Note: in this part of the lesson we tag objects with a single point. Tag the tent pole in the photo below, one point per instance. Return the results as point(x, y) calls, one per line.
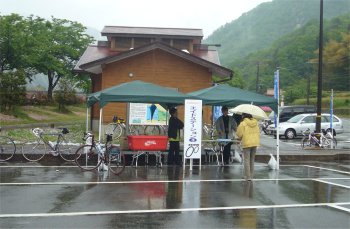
point(127, 119)
point(100, 126)
point(87, 119)
point(278, 140)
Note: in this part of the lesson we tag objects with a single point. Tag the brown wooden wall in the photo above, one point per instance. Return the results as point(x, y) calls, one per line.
point(157, 67)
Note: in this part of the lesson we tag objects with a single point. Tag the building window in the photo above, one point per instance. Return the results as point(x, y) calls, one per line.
point(181, 44)
point(141, 41)
point(122, 43)
point(166, 41)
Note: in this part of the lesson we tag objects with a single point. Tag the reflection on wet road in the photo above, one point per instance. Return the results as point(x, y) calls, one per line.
point(296, 196)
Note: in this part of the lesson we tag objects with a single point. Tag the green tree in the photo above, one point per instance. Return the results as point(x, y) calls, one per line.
point(66, 94)
point(37, 45)
point(237, 80)
point(12, 42)
point(12, 89)
point(295, 53)
point(62, 42)
point(336, 61)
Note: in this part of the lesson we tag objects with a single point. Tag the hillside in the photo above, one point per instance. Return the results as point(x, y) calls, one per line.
point(295, 54)
point(260, 27)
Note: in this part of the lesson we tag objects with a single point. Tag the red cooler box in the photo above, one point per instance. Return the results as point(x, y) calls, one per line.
point(146, 142)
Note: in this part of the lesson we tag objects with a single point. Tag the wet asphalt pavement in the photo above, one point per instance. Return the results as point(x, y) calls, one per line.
point(313, 195)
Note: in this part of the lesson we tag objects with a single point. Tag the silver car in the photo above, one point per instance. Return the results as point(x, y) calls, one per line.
point(302, 122)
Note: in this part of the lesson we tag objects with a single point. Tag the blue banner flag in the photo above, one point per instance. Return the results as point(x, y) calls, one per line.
point(275, 85)
point(216, 112)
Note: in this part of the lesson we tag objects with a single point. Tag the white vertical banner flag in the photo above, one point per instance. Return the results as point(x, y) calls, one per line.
point(277, 118)
point(193, 129)
point(276, 89)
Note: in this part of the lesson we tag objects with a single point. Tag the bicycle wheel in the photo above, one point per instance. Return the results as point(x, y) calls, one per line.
point(86, 157)
point(116, 160)
point(7, 148)
point(305, 142)
point(152, 130)
point(67, 150)
point(330, 143)
point(136, 130)
point(115, 129)
point(35, 152)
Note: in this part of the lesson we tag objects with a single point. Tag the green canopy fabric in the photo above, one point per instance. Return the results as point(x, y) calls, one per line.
point(223, 94)
point(138, 92)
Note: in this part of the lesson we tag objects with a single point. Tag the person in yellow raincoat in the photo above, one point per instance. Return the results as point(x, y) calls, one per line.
point(248, 133)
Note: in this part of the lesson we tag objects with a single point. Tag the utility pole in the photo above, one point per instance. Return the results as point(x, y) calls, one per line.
point(308, 91)
point(319, 85)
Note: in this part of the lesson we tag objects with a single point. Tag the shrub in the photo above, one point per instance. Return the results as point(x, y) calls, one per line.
point(12, 89)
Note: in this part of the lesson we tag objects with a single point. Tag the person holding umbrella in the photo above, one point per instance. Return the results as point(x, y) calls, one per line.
point(248, 133)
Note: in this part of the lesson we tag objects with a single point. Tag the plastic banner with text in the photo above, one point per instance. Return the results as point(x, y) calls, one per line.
point(193, 129)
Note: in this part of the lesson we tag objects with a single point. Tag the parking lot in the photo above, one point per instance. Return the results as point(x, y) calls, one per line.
point(312, 195)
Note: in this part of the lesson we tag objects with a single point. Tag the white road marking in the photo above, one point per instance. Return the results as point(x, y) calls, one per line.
point(165, 210)
point(333, 170)
point(331, 183)
point(38, 166)
point(339, 207)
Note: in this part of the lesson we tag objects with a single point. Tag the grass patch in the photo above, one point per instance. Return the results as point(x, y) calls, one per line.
point(45, 114)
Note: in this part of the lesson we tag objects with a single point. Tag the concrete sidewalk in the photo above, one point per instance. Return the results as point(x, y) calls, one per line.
point(263, 156)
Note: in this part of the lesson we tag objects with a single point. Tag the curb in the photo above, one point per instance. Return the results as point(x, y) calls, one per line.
point(50, 160)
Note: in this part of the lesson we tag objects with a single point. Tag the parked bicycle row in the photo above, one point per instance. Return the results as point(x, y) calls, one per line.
point(88, 156)
point(59, 143)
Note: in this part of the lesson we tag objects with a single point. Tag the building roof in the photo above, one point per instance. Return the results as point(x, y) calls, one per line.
point(94, 57)
point(151, 31)
point(93, 53)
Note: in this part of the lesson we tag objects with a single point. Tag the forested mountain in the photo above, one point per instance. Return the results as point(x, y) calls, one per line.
point(260, 27)
point(296, 54)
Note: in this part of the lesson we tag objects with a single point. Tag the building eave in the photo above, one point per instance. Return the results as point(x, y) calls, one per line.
point(96, 65)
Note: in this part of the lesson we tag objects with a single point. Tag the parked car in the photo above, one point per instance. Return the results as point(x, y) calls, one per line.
point(288, 112)
point(302, 122)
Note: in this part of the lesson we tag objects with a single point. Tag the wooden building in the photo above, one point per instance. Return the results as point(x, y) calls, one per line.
point(169, 57)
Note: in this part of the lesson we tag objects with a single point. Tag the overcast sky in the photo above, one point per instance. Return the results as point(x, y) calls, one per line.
point(199, 14)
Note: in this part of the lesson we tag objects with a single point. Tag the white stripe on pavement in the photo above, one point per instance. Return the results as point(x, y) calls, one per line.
point(165, 210)
point(161, 181)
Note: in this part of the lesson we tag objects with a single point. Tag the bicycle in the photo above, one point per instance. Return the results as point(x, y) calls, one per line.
point(209, 130)
point(61, 147)
point(156, 130)
point(7, 148)
point(93, 155)
point(264, 124)
point(118, 127)
point(325, 140)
